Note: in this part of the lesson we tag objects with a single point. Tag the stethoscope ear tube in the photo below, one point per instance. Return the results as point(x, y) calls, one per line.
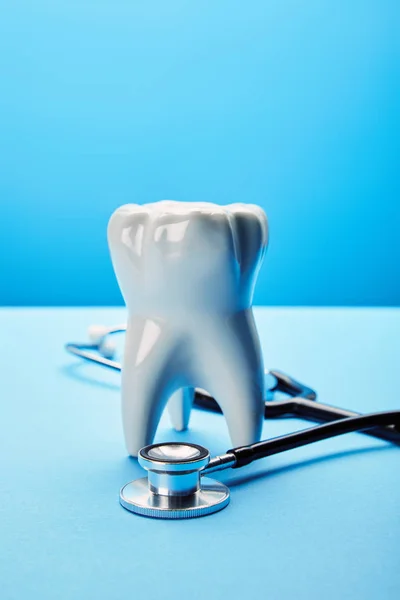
point(303, 404)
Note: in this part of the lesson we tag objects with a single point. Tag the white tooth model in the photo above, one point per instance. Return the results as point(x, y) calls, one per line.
point(187, 273)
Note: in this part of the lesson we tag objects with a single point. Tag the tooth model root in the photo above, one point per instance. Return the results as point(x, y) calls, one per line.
point(147, 381)
point(233, 374)
point(179, 408)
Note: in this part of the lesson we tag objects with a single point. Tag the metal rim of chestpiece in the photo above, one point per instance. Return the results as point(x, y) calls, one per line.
point(174, 488)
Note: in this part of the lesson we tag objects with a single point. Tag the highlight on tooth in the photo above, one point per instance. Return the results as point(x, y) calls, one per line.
point(187, 272)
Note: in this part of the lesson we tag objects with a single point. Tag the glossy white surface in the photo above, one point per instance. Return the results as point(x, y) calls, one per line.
point(187, 273)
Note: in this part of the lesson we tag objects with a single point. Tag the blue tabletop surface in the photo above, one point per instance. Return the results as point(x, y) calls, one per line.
point(319, 522)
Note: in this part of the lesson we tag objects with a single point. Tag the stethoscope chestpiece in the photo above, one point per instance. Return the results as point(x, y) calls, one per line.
point(174, 488)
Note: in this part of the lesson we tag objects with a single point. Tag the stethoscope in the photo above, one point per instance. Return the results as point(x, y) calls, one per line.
point(177, 485)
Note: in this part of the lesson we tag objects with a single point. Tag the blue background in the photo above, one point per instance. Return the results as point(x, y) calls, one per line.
point(292, 105)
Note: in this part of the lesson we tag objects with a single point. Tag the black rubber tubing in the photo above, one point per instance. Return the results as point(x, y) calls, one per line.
point(247, 454)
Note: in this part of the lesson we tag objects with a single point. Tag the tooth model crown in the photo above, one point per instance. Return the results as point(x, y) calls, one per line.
point(187, 273)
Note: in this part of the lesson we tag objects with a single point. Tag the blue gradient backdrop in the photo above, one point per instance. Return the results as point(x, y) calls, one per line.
point(292, 105)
